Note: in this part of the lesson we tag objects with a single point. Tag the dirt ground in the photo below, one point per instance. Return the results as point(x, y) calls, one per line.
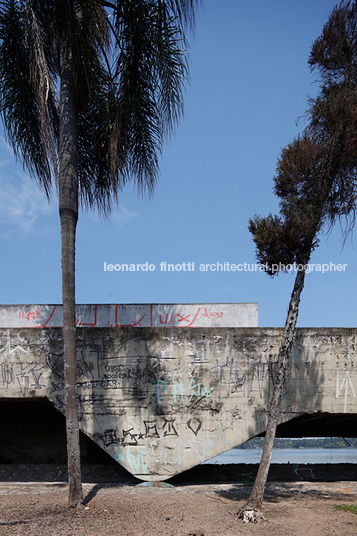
point(303, 508)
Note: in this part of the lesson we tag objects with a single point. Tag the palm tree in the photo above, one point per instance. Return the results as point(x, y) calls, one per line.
point(88, 91)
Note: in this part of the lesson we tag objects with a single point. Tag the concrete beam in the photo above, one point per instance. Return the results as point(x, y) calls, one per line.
point(162, 400)
point(146, 315)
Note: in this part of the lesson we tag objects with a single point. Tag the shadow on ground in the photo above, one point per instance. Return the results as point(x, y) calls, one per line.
point(279, 491)
point(201, 474)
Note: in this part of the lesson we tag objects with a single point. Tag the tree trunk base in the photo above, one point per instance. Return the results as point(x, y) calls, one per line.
point(248, 514)
point(78, 506)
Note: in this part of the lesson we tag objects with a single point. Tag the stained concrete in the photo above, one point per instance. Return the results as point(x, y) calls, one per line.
point(145, 315)
point(162, 400)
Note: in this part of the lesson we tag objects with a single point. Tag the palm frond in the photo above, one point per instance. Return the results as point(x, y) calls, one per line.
point(96, 184)
point(136, 136)
point(43, 85)
point(184, 10)
point(151, 70)
point(18, 100)
point(130, 71)
point(172, 72)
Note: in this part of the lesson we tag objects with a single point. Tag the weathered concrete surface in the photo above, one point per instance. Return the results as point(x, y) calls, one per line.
point(160, 401)
point(147, 315)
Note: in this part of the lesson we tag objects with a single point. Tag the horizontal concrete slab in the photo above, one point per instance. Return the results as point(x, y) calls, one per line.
point(133, 315)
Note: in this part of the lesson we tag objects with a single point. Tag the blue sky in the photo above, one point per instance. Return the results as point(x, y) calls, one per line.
point(249, 83)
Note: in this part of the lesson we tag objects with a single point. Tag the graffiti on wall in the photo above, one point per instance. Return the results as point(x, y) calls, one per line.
point(133, 315)
point(162, 402)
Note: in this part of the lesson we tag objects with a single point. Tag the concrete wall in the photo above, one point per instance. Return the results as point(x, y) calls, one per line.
point(162, 400)
point(135, 315)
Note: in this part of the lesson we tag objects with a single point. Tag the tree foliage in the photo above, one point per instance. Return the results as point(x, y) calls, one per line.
point(300, 184)
point(333, 113)
point(129, 61)
point(334, 52)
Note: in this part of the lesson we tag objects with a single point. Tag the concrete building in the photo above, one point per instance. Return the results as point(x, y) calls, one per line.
point(160, 400)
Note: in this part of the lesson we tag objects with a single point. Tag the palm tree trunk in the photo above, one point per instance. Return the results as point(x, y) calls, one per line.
point(252, 509)
point(68, 209)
